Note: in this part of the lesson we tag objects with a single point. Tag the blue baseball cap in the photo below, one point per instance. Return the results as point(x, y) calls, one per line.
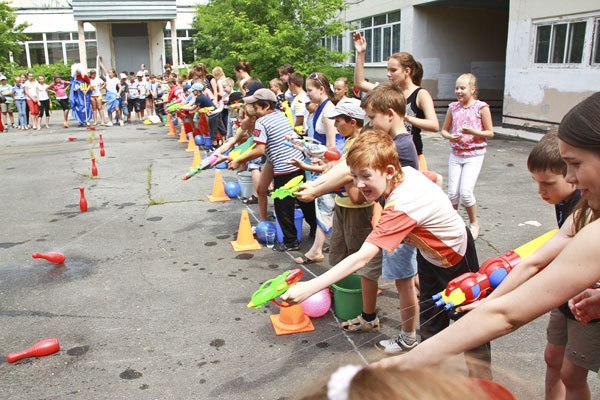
point(198, 86)
point(186, 88)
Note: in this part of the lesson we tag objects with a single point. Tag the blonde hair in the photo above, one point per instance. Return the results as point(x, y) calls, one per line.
point(374, 149)
point(247, 109)
point(277, 82)
point(472, 81)
point(385, 97)
point(218, 73)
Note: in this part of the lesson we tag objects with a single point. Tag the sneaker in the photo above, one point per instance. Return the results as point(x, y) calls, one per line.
point(359, 324)
point(121, 122)
point(398, 345)
point(108, 124)
point(287, 247)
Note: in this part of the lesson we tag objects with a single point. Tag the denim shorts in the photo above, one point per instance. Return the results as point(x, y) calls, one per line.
point(401, 264)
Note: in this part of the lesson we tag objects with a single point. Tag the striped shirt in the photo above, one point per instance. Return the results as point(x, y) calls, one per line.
point(419, 212)
point(271, 131)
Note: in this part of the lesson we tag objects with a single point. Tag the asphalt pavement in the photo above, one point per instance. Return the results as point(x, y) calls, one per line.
point(151, 302)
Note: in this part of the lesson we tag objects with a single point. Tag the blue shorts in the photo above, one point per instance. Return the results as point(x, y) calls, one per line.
point(401, 264)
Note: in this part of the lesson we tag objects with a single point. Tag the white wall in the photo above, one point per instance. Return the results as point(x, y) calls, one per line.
point(536, 93)
point(157, 46)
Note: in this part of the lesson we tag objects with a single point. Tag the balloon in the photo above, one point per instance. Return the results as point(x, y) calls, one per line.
point(232, 189)
point(318, 304)
point(261, 230)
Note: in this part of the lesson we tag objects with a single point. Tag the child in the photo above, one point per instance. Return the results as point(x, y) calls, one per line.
point(8, 107)
point(269, 135)
point(21, 102)
point(340, 88)
point(467, 126)
point(277, 87)
point(113, 94)
point(415, 210)
point(123, 97)
point(43, 101)
point(549, 170)
point(298, 104)
point(96, 86)
point(31, 91)
point(59, 88)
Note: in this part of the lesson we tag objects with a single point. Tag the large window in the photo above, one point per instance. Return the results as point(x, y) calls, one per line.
point(572, 42)
point(596, 56)
point(57, 47)
point(186, 51)
point(382, 33)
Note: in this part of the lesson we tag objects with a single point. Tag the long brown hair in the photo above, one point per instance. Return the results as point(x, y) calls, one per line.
point(581, 128)
point(408, 61)
point(319, 79)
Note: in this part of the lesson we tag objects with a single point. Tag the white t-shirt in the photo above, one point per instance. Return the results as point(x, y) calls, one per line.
point(299, 108)
point(32, 89)
point(43, 92)
point(96, 83)
point(111, 84)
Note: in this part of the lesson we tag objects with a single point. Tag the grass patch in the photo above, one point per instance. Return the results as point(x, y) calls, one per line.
point(156, 202)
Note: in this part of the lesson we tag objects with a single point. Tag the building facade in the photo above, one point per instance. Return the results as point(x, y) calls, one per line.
point(534, 59)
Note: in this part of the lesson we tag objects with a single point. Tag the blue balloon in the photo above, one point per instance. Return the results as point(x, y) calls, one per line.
point(232, 189)
point(175, 121)
point(261, 230)
point(199, 140)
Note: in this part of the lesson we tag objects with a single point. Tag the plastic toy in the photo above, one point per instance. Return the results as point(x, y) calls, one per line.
point(261, 230)
point(94, 168)
point(312, 148)
point(232, 189)
point(82, 201)
point(56, 258)
point(40, 349)
point(234, 154)
point(288, 189)
point(274, 288)
point(318, 304)
point(199, 140)
point(473, 286)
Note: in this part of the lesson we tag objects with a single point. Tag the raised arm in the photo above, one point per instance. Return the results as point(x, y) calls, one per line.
point(360, 44)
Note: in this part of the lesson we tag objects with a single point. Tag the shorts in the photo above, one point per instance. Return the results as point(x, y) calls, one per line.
point(7, 107)
point(324, 211)
point(400, 264)
point(256, 163)
point(351, 226)
point(581, 343)
point(64, 104)
point(139, 105)
point(34, 109)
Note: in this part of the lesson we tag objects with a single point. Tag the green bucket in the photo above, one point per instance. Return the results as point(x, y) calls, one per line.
point(164, 119)
point(347, 297)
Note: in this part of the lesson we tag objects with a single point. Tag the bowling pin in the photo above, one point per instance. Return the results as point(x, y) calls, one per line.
point(102, 152)
point(56, 258)
point(82, 200)
point(94, 168)
point(40, 349)
point(100, 140)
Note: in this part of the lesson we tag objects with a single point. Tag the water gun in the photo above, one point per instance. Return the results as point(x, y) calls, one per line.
point(235, 106)
point(234, 154)
point(274, 288)
point(206, 110)
point(473, 286)
point(312, 148)
point(288, 189)
point(174, 107)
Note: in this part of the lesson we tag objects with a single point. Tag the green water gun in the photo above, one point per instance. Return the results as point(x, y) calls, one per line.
point(274, 288)
point(234, 154)
point(289, 189)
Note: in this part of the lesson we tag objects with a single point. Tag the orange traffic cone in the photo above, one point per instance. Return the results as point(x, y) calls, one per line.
point(171, 125)
point(245, 239)
point(197, 159)
point(291, 320)
point(182, 136)
point(218, 192)
point(191, 144)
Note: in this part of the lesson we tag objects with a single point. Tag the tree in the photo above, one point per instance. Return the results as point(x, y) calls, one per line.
point(11, 34)
point(269, 33)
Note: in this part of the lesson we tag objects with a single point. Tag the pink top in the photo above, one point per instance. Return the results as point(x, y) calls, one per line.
point(469, 145)
point(60, 89)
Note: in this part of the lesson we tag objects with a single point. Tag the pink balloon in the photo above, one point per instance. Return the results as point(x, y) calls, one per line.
point(318, 304)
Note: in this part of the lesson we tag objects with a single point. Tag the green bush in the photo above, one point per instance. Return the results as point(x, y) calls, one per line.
point(13, 70)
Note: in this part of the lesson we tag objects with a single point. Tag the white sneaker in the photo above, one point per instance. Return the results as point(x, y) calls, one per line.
point(108, 124)
point(397, 345)
point(121, 122)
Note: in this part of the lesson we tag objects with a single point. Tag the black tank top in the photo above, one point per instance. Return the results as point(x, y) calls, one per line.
point(414, 111)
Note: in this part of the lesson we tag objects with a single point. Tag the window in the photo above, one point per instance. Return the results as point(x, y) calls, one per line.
point(72, 50)
point(596, 56)
point(382, 33)
point(55, 53)
point(560, 43)
point(36, 53)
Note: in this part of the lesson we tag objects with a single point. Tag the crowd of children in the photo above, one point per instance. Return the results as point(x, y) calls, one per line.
point(420, 241)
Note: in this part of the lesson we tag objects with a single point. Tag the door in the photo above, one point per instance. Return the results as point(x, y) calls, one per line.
point(131, 46)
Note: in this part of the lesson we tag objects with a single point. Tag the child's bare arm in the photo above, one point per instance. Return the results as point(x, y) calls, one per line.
point(447, 126)
point(430, 123)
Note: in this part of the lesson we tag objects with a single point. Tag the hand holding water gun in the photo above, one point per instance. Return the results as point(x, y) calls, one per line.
point(312, 148)
point(274, 288)
point(217, 157)
point(473, 286)
point(289, 189)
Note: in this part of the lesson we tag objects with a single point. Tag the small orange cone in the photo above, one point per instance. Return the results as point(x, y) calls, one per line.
point(218, 191)
point(191, 144)
point(182, 136)
point(197, 159)
point(171, 125)
point(422, 163)
point(291, 320)
point(245, 239)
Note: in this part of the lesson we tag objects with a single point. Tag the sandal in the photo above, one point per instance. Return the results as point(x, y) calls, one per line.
point(304, 260)
point(251, 200)
point(359, 324)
